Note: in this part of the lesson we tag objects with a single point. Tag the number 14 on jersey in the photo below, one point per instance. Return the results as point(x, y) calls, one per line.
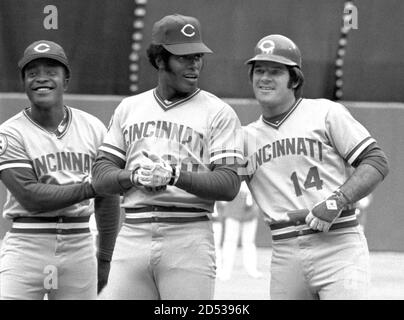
point(312, 180)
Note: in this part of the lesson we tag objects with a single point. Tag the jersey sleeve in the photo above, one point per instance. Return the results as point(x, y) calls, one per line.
point(248, 169)
point(346, 134)
point(226, 138)
point(12, 152)
point(114, 140)
point(100, 135)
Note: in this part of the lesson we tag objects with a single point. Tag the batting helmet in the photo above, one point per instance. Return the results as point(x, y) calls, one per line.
point(277, 48)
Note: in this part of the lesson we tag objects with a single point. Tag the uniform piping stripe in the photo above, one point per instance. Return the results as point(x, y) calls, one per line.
point(55, 219)
point(277, 125)
point(155, 219)
point(348, 214)
point(17, 161)
point(358, 149)
point(15, 165)
point(343, 219)
point(167, 106)
point(113, 150)
point(225, 155)
point(50, 225)
point(69, 119)
point(51, 231)
point(296, 233)
point(284, 230)
point(69, 115)
point(110, 146)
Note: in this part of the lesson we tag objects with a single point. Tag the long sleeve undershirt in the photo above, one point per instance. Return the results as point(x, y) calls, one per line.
point(374, 156)
point(107, 215)
point(38, 197)
point(222, 183)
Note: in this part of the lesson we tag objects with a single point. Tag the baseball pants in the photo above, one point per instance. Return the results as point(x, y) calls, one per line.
point(332, 265)
point(163, 260)
point(62, 266)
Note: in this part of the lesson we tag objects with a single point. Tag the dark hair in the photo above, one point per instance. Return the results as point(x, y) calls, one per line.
point(296, 77)
point(155, 51)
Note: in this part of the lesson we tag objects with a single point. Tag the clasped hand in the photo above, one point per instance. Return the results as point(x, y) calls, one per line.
point(153, 172)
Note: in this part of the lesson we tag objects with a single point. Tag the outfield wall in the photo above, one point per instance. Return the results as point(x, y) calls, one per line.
point(385, 220)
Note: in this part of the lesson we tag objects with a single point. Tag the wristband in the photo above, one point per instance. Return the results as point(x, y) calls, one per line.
point(342, 196)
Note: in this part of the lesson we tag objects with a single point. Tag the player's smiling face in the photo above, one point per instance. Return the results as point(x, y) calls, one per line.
point(45, 82)
point(270, 84)
point(181, 75)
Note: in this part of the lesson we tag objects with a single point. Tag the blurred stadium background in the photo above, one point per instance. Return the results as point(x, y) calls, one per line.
point(361, 67)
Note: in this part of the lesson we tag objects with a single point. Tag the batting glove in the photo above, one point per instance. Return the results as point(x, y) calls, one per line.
point(136, 182)
point(158, 173)
point(324, 213)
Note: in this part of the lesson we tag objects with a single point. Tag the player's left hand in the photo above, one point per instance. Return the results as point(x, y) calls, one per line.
point(324, 213)
point(155, 174)
point(103, 273)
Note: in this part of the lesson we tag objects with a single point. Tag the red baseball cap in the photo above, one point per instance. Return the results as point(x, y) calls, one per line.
point(44, 49)
point(179, 35)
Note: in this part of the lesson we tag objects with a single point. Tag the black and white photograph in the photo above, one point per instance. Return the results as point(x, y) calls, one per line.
point(219, 152)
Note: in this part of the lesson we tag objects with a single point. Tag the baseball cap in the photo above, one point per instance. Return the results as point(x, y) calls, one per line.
point(180, 35)
point(44, 49)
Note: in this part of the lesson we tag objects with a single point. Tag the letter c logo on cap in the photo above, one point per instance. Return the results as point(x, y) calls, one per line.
point(42, 47)
point(189, 33)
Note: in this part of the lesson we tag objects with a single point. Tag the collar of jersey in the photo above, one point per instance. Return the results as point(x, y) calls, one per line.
point(62, 128)
point(167, 105)
point(276, 121)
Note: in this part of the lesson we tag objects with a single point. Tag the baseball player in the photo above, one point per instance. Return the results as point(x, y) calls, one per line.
point(46, 156)
point(309, 160)
point(172, 151)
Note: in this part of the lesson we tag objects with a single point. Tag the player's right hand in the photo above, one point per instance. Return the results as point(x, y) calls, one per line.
point(156, 174)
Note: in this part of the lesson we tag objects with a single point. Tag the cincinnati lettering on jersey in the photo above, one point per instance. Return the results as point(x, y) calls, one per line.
point(70, 161)
point(165, 130)
point(287, 147)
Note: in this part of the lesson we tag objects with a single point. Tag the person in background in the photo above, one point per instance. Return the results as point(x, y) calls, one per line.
point(240, 219)
point(362, 207)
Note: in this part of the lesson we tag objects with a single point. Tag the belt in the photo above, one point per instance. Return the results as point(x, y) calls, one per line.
point(163, 209)
point(51, 225)
point(298, 227)
point(166, 219)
